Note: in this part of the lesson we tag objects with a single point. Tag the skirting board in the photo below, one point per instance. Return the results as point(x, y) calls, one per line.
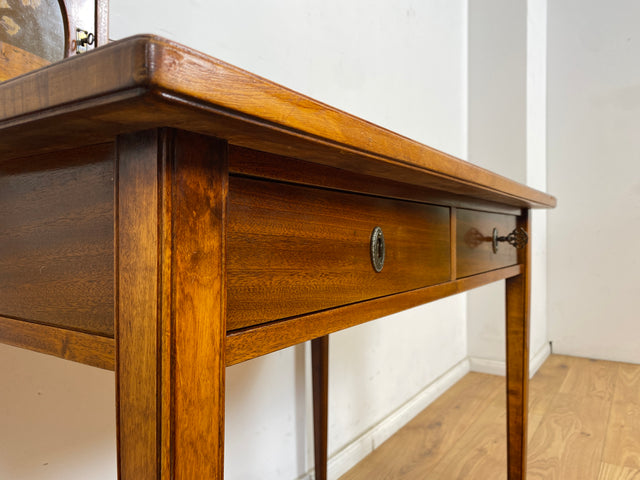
point(348, 457)
point(498, 367)
point(342, 461)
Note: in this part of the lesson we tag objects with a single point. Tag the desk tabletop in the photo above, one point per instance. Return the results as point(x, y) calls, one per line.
point(146, 81)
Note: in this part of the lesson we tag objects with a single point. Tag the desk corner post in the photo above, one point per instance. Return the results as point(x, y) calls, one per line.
point(171, 194)
point(518, 293)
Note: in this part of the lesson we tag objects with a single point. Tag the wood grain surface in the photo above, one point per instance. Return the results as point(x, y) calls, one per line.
point(93, 350)
point(15, 61)
point(243, 108)
point(461, 434)
point(568, 443)
point(454, 438)
point(294, 250)
point(616, 472)
point(320, 380)
point(172, 189)
point(622, 445)
point(517, 333)
point(253, 163)
point(141, 320)
point(56, 240)
point(262, 339)
point(474, 246)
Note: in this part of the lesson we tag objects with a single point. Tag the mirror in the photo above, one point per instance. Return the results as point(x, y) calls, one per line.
point(33, 28)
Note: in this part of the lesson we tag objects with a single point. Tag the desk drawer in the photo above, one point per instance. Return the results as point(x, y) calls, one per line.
point(293, 250)
point(56, 239)
point(474, 242)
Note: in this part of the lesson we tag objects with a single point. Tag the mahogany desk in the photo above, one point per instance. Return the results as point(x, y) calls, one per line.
point(164, 214)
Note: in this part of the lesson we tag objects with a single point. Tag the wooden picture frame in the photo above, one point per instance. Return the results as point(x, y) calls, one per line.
point(36, 33)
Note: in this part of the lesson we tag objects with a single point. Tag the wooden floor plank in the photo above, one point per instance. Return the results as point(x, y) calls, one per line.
point(546, 383)
point(587, 378)
point(544, 387)
point(534, 422)
point(615, 472)
point(569, 441)
point(462, 434)
point(628, 383)
point(481, 452)
point(622, 444)
point(416, 448)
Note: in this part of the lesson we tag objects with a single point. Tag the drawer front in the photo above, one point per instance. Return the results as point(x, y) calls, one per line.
point(474, 242)
point(56, 239)
point(293, 250)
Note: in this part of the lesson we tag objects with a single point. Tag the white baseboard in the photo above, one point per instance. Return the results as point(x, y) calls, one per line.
point(342, 461)
point(345, 459)
point(486, 365)
point(539, 358)
point(498, 367)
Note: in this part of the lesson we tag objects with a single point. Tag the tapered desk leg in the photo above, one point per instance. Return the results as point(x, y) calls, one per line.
point(517, 331)
point(320, 374)
point(170, 331)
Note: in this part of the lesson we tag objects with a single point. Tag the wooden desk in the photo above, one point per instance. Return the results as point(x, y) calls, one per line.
point(165, 214)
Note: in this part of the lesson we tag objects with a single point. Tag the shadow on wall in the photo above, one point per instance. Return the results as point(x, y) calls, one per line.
point(268, 415)
point(57, 418)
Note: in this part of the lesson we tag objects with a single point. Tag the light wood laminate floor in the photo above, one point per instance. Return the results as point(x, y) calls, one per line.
point(584, 424)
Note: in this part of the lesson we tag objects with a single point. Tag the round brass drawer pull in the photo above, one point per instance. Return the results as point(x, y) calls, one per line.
point(518, 238)
point(377, 249)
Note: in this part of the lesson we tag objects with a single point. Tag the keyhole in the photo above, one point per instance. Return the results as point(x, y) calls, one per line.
point(377, 249)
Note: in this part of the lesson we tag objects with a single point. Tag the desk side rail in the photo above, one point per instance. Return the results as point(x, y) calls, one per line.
point(256, 341)
point(241, 345)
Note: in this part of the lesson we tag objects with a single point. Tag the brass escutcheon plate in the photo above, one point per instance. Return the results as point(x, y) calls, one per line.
point(377, 249)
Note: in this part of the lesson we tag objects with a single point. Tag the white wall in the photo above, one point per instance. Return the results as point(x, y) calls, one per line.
point(507, 55)
point(497, 132)
point(497, 86)
point(594, 170)
point(400, 64)
point(536, 174)
point(57, 418)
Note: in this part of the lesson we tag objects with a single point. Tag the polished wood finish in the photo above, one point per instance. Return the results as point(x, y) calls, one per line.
point(518, 292)
point(257, 164)
point(245, 109)
point(294, 250)
point(255, 341)
point(453, 233)
point(320, 374)
point(56, 241)
point(474, 245)
point(15, 61)
point(248, 343)
point(217, 260)
point(172, 190)
point(141, 320)
point(573, 429)
point(80, 347)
